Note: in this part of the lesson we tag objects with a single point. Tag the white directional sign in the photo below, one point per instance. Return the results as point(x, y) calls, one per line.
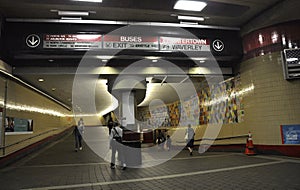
point(183, 44)
point(33, 40)
point(218, 45)
point(72, 41)
point(131, 42)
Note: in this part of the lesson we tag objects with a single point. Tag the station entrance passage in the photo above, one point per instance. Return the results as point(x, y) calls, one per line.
point(59, 167)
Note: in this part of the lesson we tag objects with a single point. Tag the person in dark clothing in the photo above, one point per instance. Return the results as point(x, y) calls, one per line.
point(78, 131)
point(190, 134)
point(110, 125)
point(160, 138)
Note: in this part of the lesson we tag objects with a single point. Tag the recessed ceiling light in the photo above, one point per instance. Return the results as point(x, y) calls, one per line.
point(104, 60)
point(90, 1)
point(41, 80)
point(154, 60)
point(53, 89)
point(190, 5)
point(190, 18)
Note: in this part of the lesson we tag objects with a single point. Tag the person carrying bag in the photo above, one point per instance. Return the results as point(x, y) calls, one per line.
point(116, 145)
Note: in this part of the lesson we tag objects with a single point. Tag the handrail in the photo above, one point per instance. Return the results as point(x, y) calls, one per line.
point(222, 138)
point(23, 140)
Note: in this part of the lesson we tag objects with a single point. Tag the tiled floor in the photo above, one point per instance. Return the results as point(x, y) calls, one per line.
point(59, 167)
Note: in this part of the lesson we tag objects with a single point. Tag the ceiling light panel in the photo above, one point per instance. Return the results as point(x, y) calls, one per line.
point(89, 1)
point(190, 5)
point(73, 13)
point(193, 18)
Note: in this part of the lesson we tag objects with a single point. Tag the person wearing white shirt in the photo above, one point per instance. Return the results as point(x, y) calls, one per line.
point(190, 133)
point(116, 136)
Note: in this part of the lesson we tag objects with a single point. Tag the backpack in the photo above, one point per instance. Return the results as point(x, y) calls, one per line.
point(118, 138)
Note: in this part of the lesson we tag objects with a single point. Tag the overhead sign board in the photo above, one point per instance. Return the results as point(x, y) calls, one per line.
point(130, 42)
point(184, 44)
point(73, 41)
point(90, 41)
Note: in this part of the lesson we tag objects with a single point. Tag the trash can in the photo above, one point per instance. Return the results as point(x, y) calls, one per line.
point(133, 154)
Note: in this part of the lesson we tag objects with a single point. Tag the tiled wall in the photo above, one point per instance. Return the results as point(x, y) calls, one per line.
point(274, 101)
point(271, 102)
point(18, 95)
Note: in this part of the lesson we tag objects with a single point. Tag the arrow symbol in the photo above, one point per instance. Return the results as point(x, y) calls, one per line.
point(33, 41)
point(218, 45)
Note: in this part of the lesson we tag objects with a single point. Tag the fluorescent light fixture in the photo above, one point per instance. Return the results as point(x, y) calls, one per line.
point(188, 23)
point(70, 18)
point(152, 57)
point(73, 13)
point(90, 1)
point(190, 5)
point(193, 18)
point(199, 58)
point(106, 57)
point(41, 80)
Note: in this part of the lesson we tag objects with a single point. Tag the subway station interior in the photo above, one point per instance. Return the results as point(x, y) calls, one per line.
point(227, 70)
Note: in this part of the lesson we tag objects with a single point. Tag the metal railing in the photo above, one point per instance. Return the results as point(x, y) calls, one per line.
point(222, 138)
point(29, 138)
point(216, 139)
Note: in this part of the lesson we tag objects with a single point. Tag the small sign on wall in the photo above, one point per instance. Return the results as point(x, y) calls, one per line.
point(291, 63)
point(18, 125)
point(290, 134)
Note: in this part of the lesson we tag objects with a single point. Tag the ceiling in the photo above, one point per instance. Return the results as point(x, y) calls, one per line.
point(233, 14)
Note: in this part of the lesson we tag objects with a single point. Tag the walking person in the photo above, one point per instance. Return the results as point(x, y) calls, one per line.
point(160, 139)
point(168, 143)
point(189, 136)
point(78, 131)
point(116, 136)
point(81, 125)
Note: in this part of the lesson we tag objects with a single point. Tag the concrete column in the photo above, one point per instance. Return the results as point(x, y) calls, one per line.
point(129, 91)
